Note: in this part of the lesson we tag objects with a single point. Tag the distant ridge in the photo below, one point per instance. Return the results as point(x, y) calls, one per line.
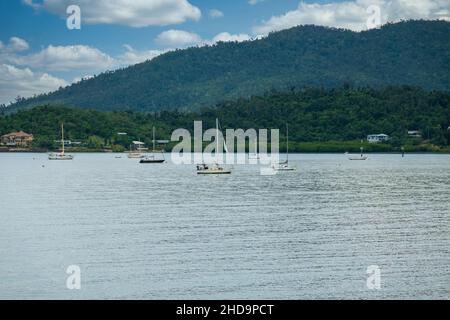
point(413, 53)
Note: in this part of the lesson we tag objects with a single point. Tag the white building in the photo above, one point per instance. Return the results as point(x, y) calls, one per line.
point(414, 134)
point(377, 138)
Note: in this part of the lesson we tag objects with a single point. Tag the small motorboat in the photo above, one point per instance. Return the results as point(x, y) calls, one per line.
point(135, 155)
point(362, 157)
point(60, 156)
point(137, 150)
point(151, 159)
point(284, 166)
point(213, 169)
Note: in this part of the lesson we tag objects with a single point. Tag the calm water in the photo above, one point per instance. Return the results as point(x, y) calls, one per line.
point(161, 232)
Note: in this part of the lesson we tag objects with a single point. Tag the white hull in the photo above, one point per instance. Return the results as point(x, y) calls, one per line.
point(135, 156)
point(60, 157)
point(284, 166)
point(214, 169)
point(358, 158)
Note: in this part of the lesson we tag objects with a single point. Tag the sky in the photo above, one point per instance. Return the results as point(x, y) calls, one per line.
point(39, 53)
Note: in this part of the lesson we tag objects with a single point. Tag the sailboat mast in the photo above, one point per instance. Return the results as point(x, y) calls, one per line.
point(217, 136)
point(62, 137)
point(153, 139)
point(287, 141)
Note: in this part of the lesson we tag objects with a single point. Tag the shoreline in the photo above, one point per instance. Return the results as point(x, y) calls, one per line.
point(281, 153)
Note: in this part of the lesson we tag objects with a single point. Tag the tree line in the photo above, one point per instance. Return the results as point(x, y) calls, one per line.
point(316, 116)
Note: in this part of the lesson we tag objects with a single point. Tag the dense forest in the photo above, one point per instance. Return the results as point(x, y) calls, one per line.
point(413, 53)
point(319, 119)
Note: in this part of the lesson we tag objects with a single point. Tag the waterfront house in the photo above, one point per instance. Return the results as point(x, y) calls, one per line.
point(414, 134)
point(378, 138)
point(17, 139)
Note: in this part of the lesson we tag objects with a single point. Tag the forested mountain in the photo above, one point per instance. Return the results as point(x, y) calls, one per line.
point(408, 53)
point(314, 115)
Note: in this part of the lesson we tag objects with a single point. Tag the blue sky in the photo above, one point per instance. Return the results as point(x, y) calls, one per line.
point(38, 53)
point(43, 28)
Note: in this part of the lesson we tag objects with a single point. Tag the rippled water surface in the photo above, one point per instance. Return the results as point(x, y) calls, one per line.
point(162, 232)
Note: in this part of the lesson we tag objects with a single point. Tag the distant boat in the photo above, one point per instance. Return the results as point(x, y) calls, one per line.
point(362, 157)
point(284, 166)
point(137, 150)
point(151, 158)
point(211, 169)
point(62, 155)
point(135, 155)
point(215, 168)
point(255, 155)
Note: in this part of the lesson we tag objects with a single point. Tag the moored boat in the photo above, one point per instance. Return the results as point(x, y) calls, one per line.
point(152, 158)
point(284, 166)
point(211, 169)
point(61, 155)
point(362, 157)
point(215, 168)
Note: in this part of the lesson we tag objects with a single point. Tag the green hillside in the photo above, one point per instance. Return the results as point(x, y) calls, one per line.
point(408, 53)
point(319, 119)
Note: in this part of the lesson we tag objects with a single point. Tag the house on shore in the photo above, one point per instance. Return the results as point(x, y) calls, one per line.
point(378, 138)
point(414, 134)
point(17, 139)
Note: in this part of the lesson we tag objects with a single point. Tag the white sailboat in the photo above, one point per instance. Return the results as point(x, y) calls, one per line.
point(215, 168)
point(151, 158)
point(254, 155)
point(362, 157)
point(284, 166)
point(62, 155)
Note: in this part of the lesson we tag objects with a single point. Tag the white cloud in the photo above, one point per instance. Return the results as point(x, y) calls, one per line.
point(65, 58)
point(136, 13)
point(78, 79)
point(10, 51)
point(15, 44)
point(215, 14)
point(178, 38)
point(31, 4)
point(132, 56)
point(253, 2)
point(24, 82)
point(76, 58)
point(353, 15)
point(227, 37)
